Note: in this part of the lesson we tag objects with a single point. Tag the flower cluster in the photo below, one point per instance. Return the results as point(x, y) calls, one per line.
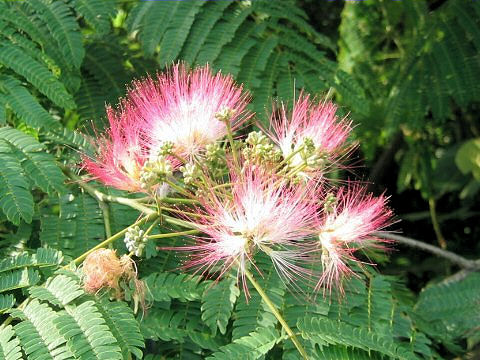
point(264, 192)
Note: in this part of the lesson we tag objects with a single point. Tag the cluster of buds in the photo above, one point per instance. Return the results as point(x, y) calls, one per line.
point(329, 203)
point(191, 172)
point(225, 114)
point(309, 153)
point(215, 159)
point(166, 148)
point(135, 240)
point(271, 197)
point(259, 148)
point(155, 171)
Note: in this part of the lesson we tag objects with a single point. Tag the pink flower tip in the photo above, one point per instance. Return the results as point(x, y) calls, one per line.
point(346, 226)
point(312, 122)
point(120, 153)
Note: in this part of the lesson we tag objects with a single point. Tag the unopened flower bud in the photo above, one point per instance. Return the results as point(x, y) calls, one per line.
point(216, 159)
point(225, 114)
point(191, 172)
point(261, 149)
point(135, 240)
point(166, 148)
point(155, 171)
point(330, 203)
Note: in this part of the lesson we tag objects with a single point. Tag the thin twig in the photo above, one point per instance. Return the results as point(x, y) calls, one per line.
point(111, 239)
point(106, 217)
point(167, 235)
point(100, 196)
point(436, 224)
point(451, 256)
point(170, 200)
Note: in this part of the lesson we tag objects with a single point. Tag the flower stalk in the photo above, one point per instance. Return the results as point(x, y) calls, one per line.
point(277, 314)
point(174, 234)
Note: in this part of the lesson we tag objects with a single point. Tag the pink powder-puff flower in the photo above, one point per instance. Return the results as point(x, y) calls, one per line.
point(120, 154)
point(184, 108)
point(260, 214)
point(346, 226)
point(308, 124)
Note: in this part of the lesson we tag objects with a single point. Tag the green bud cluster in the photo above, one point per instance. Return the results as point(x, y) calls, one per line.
point(225, 114)
point(309, 153)
point(155, 171)
point(330, 203)
point(191, 172)
point(135, 240)
point(166, 148)
point(216, 159)
point(260, 149)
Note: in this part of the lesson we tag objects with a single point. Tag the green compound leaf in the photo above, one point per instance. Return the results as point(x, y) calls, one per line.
point(120, 320)
point(59, 290)
point(218, 301)
point(36, 73)
point(16, 200)
point(9, 344)
point(165, 286)
point(250, 347)
point(325, 331)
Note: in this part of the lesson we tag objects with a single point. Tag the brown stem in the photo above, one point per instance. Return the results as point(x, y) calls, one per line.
point(449, 255)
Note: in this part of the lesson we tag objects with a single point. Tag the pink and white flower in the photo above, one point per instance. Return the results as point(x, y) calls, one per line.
point(181, 107)
point(120, 154)
point(346, 228)
point(261, 215)
point(313, 122)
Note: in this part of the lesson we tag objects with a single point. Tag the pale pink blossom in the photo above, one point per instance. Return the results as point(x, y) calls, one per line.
point(261, 215)
point(120, 154)
point(309, 121)
point(182, 107)
point(347, 227)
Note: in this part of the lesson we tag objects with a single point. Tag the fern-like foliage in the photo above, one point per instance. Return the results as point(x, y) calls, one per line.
point(25, 164)
point(253, 41)
point(439, 60)
point(251, 347)
point(24, 271)
point(181, 324)
point(426, 65)
point(217, 304)
point(97, 13)
point(24, 105)
point(252, 312)
point(60, 21)
point(439, 80)
point(10, 349)
point(120, 320)
point(326, 331)
point(449, 310)
point(166, 286)
point(77, 226)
